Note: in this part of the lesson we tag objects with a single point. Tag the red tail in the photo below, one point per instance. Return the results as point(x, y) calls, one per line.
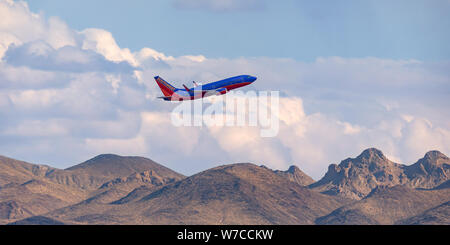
point(165, 87)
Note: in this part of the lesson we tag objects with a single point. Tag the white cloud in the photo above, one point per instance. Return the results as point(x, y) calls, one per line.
point(128, 147)
point(17, 20)
point(102, 42)
point(36, 128)
point(244, 144)
point(421, 135)
point(148, 53)
point(59, 34)
point(7, 39)
point(40, 55)
point(26, 78)
point(20, 25)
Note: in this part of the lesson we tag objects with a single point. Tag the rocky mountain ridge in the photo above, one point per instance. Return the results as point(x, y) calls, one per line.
point(356, 177)
point(111, 189)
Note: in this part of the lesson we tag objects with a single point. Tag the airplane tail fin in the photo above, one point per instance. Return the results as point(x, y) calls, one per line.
point(165, 87)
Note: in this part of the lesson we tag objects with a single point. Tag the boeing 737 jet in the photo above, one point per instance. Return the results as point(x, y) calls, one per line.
point(200, 91)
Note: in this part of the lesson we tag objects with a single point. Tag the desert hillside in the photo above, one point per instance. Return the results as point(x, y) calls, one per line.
point(111, 189)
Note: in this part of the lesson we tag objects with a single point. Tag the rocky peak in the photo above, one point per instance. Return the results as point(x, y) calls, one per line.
point(103, 158)
point(98, 162)
point(435, 155)
point(356, 177)
point(296, 175)
point(371, 155)
point(432, 161)
point(293, 169)
point(431, 170)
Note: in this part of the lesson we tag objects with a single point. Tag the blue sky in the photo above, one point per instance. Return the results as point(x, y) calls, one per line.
point(76, 79)
point(303, 30)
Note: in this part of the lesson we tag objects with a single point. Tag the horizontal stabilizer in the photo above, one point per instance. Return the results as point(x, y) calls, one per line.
point(165, 97)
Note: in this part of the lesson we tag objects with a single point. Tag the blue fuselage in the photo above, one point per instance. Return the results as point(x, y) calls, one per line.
point(215, 88)
point(229, 83)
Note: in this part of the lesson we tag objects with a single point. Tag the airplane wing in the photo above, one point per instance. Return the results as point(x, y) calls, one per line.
point(219, 91)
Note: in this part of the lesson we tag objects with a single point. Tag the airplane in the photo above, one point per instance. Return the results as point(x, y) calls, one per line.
point(221, 87)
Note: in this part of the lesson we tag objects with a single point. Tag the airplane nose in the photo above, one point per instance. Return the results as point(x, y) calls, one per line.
point(252, 79)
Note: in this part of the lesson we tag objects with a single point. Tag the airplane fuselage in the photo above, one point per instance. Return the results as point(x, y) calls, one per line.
point(215, 88)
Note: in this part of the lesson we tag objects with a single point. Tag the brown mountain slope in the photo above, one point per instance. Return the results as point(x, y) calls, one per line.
point(111, 189)
point(357, 177)
point(36, 196)
point(95, 172)
point(117, 188)
point(27, 204)
point(386, 205)
point(444, 185)
point(14, 171)
point(232, 194)
point(37, 220)
point(28, 189)
point(25, 192)
point(439, 215)
point(10, 210)
point(296, 175)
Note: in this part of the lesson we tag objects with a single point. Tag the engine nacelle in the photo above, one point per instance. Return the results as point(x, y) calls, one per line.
point(221, 91)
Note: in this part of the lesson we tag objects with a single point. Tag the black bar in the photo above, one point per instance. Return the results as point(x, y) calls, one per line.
point(245, 234)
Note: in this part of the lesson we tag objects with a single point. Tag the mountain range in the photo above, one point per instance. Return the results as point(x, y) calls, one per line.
point(111, 189)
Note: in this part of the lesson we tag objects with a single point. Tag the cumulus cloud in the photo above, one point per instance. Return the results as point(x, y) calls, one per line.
point(41, 56)
point(317, 138)
point(66, 95)
point(20, 25)
point(102, 42)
